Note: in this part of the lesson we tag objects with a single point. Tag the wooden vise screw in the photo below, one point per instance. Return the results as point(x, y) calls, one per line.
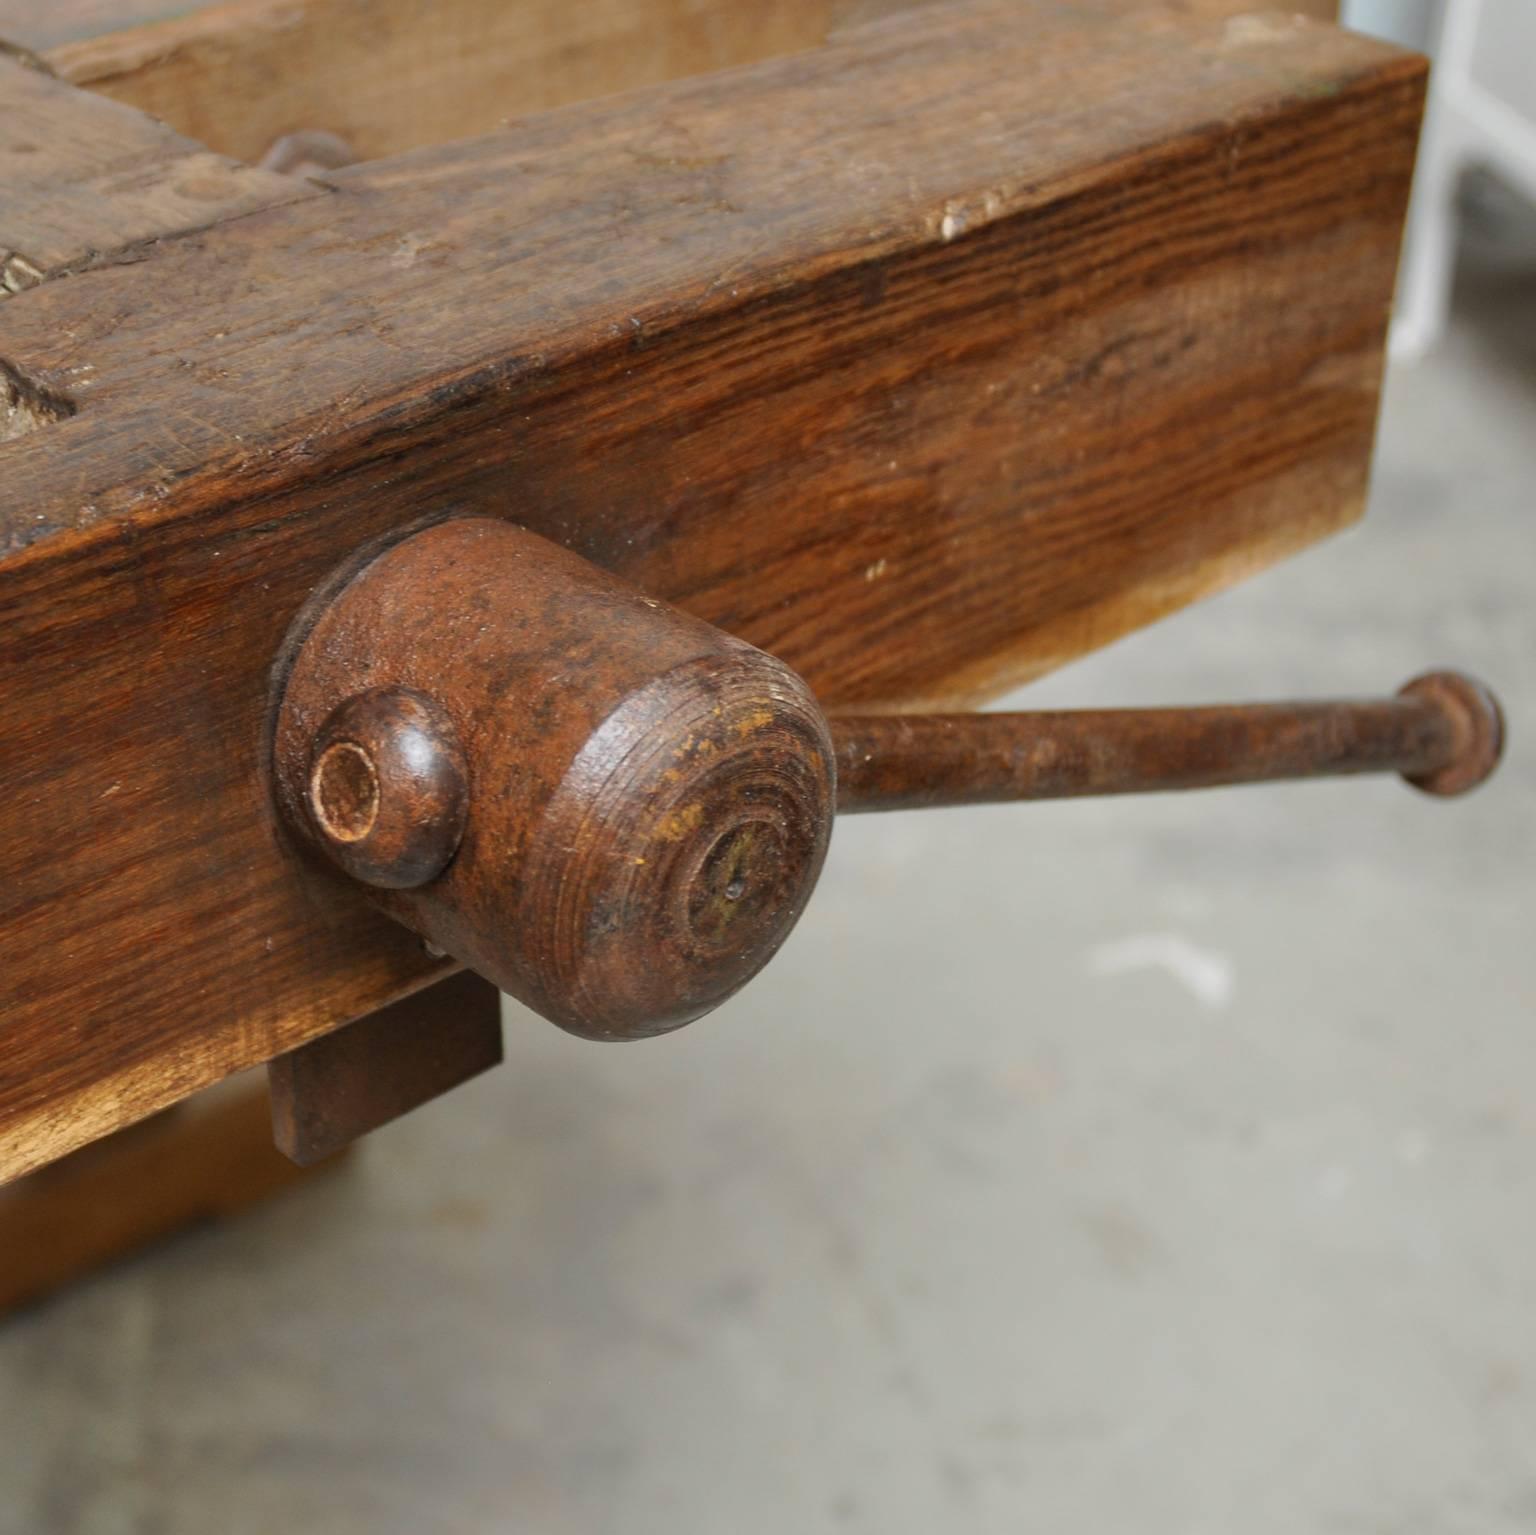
point(616, 813)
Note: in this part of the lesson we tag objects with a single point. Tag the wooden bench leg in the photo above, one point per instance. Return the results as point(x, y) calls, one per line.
point(209, 1157)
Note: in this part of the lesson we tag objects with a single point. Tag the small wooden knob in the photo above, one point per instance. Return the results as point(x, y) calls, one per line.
point(607, 807)
point(388, 792)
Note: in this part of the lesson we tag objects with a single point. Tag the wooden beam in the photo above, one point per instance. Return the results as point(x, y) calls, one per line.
point(927, 361)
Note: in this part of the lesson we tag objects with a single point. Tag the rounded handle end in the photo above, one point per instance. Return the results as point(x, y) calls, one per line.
point(679, 849)
point(1477, 731)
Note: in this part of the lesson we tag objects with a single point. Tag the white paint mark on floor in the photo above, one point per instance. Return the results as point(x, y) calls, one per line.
point(1206, 974)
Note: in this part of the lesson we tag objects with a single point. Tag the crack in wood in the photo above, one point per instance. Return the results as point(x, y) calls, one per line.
point(26, 57)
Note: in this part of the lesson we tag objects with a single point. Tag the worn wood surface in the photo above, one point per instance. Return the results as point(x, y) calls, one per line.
point(83, 179)
point(924, 413)
point(45, 24)
point(203, 1160)
point(392, 75)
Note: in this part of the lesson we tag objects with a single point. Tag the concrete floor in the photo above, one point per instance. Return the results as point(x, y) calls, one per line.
point(1153, 1165)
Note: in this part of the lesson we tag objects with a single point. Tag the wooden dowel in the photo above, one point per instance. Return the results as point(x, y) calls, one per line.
point(1443, 732)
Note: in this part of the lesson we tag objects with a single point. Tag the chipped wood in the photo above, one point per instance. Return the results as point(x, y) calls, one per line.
point(84, 180)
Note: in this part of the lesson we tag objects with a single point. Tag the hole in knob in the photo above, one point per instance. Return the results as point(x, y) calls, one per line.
point(739, 881)
point(344, 792)
point(387, 791)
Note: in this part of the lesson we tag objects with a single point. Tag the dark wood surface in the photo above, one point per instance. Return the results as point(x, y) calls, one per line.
point(923, 412)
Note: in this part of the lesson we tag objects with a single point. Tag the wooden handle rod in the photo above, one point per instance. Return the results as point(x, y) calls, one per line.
point(1443, 732)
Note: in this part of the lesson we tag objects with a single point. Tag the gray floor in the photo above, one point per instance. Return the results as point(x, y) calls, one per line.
point(1158, 1166)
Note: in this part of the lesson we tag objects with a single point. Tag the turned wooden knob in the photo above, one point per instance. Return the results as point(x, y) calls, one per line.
point(388, 790)
point(609, 808)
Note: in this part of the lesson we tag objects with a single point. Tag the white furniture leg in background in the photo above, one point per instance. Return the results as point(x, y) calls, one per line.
point(1429, 246)
point(1466, 124)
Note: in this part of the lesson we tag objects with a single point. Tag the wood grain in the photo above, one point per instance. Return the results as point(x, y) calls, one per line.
point(925, 361)
point(82, 180)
